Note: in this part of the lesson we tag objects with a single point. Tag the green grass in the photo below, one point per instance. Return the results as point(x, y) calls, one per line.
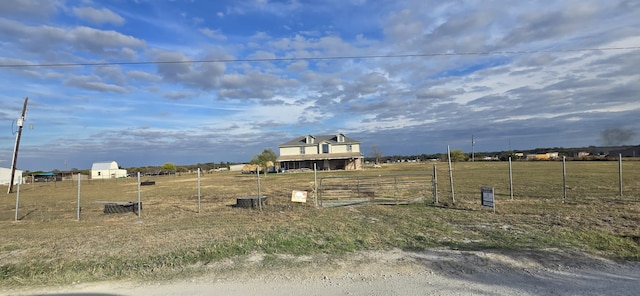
point(48, 246)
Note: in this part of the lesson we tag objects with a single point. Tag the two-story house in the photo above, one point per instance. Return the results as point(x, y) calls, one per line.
point(327, 152)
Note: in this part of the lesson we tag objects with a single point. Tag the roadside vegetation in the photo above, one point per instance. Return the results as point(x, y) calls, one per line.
point(47, 245)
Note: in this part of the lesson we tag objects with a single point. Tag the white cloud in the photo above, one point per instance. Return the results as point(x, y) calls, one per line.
point(547, 96)
point(98, 16)
point(214, 34)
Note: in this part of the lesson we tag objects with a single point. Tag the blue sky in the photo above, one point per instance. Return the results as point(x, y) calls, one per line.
point(420, 75)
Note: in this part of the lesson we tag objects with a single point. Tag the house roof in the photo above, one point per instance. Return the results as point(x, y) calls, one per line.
point(103, 165)
point(301, 157)
point(301, 141)
point(49, 174)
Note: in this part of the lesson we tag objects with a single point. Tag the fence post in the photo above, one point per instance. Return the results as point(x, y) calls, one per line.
point(453, 195)
point(395, 193)
point(259, 193)
point(78, 214)
point(315, 185)
point(620, 172)
point(198, 190)
point(139, 203)
point(564, 177)
point(435, 184)
point(510, 179)
point(18, 197)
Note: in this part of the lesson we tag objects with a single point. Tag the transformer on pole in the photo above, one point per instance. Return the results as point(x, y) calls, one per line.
point(19, 123)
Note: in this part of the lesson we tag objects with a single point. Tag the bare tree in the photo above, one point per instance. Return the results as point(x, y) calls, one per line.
point(377, 154)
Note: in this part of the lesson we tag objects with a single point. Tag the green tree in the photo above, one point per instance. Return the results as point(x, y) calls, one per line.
point(168, 167)
point(506, 155)
point(265, 159)
point(457, 155)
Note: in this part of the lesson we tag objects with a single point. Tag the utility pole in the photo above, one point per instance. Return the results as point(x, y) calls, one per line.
point(20, 123)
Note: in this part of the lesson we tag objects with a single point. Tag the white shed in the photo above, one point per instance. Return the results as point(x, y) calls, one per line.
point(5, 176)
point(107, 170)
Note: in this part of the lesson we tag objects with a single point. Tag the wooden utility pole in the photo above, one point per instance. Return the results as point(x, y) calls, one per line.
point(20, 123)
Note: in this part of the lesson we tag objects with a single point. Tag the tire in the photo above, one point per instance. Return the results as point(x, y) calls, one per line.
point(115, 209)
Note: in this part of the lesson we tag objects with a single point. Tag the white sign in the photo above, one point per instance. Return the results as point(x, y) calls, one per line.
point(298, 196)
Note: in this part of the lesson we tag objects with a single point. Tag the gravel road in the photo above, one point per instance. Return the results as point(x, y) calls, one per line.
point(393, 272)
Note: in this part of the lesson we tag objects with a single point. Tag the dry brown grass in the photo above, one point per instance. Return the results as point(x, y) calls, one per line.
point(48, 244)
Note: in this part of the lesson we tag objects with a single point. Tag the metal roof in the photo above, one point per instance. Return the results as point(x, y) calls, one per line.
point(300, 141)
point(103, 165)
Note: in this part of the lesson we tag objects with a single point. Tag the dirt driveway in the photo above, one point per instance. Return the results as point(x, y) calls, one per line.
point(393, 272)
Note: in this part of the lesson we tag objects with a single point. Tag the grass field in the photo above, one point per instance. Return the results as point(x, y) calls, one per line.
point(48, 245)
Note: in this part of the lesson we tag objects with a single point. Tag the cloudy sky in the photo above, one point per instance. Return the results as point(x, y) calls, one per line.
point(148, 82)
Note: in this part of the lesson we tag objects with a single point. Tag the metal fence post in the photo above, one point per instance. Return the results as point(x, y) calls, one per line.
point(435, 184)
point(620, 172)
point(564, 177)
point(139, 203)
point(315, 185)
point(453, 195)
point(510, 179)
point(78, 214)
point(18, 197)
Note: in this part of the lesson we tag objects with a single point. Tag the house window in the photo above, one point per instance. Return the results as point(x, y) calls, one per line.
point(325, 148)
point(349, 148)
point(309, 139)
point(301, 150)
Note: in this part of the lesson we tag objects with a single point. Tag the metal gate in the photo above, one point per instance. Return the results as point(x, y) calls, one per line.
point(382, 189)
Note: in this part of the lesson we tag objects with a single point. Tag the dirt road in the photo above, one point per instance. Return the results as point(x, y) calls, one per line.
point(394, 272)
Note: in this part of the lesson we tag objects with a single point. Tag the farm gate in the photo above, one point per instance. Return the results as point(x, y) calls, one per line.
point(381, 189)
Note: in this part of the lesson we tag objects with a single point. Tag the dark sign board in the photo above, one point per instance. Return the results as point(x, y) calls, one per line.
point(486, 194)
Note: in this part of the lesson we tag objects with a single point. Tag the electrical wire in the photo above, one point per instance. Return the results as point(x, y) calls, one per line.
point(355, 57)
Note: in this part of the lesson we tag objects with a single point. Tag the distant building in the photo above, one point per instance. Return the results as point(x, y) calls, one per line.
point(107, 170)
point(236, 167)
point(327, 152)
point(5, 176)
point(543, 156)
point(583, 154)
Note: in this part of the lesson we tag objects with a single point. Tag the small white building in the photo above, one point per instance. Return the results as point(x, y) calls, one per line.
point(107, 170)
point(5, 176)
point(236, 167)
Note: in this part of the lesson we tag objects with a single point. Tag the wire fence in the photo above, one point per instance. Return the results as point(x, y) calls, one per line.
point(544, 179)
point(179, 196)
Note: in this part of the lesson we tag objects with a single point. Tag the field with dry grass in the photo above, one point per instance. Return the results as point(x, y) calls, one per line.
point(48, 245)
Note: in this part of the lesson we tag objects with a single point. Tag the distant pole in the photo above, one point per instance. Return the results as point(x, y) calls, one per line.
point(564, 177)
point(19, 123)
point(78, 213)
point(453, 195)
point(510, 179)
point(198, 190)
point(620, 172)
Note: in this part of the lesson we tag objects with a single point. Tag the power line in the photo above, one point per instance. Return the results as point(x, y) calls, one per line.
point(356, 57)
